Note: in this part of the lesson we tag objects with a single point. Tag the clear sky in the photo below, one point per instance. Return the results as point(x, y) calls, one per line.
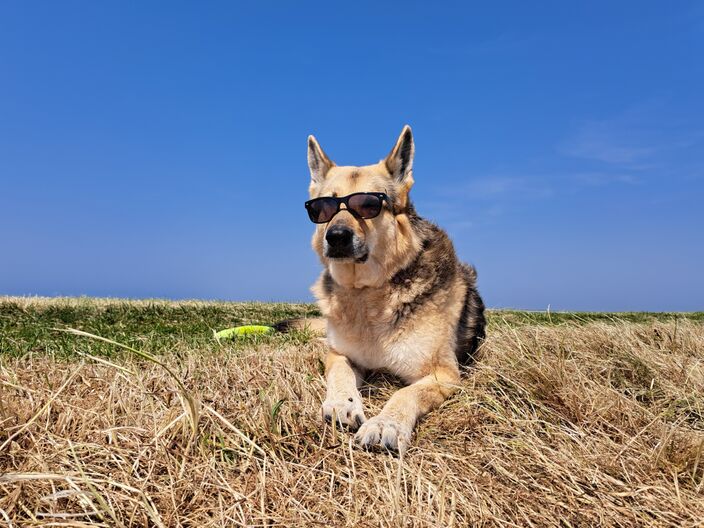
point(159, 149)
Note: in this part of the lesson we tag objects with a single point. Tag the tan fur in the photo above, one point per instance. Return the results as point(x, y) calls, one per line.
point(315, 325)
point(363, 303)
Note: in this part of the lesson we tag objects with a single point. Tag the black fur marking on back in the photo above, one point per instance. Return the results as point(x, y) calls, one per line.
point(472, 324)
point(431, 271)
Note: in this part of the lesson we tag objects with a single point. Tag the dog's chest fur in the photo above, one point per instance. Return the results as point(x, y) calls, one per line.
point(365, 327)
point(400, 325)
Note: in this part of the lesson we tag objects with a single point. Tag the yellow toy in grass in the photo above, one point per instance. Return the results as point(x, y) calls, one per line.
point(241, 331)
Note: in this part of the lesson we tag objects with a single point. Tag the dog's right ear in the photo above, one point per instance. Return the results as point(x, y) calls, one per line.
point(318, 162)
point(399, 162)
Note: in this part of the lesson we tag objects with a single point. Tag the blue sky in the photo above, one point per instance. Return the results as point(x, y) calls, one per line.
point(158, 149)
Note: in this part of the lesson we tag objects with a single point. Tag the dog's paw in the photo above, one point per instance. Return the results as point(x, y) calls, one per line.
point(384, 431)
point(347, 411)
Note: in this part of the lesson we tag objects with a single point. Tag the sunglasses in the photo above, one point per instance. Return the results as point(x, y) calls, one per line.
point(363, 205)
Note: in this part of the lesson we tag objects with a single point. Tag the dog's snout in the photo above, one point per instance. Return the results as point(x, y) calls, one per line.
point(339, 236)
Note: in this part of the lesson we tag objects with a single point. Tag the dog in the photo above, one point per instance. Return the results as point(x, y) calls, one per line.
point(393, 295)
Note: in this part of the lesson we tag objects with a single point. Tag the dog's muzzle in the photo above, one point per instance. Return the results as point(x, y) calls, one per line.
point(341, 243)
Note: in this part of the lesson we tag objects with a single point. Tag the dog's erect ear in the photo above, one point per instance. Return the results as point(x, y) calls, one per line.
point(318, 162)
point(399, 162)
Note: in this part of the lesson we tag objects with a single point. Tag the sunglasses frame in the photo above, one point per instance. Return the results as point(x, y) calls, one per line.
point(345, 200)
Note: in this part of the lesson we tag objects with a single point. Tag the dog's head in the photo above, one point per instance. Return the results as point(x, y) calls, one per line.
point(349, 244)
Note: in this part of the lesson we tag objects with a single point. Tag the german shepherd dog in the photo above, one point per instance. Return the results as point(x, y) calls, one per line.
point(393, 295)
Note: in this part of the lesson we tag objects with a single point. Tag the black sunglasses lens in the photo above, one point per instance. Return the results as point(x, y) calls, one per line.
point(365, 205)
point(322, 210)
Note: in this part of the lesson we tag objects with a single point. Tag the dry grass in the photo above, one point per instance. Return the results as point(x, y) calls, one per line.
point(570, 424)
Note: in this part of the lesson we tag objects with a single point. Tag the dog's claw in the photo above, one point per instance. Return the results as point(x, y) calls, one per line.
point(385, 432)
point(348, 411)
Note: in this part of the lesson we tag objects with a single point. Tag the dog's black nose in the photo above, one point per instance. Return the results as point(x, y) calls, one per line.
point(339, 236)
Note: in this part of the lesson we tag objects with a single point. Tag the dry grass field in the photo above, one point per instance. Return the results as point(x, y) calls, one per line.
point(565, 420)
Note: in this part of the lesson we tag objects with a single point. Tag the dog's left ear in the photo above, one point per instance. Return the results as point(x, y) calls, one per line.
point(318, 162)
point(399, 162)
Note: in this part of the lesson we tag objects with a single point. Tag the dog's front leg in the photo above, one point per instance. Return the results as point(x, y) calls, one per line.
point(393, 426)
point(343, 402)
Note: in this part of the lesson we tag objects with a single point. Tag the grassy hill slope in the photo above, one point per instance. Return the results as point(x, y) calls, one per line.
point(565, 420)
